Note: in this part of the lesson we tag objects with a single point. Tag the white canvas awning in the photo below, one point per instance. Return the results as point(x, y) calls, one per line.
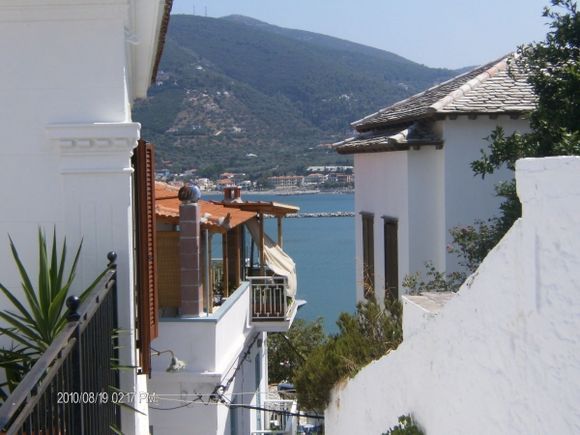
point(275, 258)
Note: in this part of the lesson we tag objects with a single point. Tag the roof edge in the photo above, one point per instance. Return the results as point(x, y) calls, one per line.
point(500, 65)
point(162, 36)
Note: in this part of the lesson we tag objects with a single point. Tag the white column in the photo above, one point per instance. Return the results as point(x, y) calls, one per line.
point(98, 208)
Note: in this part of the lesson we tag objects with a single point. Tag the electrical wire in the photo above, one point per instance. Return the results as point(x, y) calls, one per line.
point(275, 411)
point(226, 402)
point(218, 397)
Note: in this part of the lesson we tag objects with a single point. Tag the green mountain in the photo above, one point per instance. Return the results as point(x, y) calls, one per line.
point(238, 94)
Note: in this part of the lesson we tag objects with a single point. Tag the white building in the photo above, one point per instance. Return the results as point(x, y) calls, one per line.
point(285, 181)
point(70, 71)
point(503, 355)
point(413, 176)
point(215, 315)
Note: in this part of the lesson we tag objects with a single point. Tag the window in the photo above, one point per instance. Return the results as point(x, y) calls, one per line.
point(368, 271)
point(391, 257)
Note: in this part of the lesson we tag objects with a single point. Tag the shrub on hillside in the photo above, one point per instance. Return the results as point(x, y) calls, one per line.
point(367, 335)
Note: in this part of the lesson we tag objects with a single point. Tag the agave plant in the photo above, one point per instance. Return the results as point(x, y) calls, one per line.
point(33, 325)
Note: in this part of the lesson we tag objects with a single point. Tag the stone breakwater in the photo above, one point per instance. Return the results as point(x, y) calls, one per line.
point(322, 214)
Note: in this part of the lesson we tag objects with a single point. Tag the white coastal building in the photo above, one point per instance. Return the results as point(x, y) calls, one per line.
point(414, 181)
point(218, 299)
point(70, 72)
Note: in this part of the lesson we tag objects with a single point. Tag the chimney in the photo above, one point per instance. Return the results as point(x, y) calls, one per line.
point(189, 252)
point(232, 193)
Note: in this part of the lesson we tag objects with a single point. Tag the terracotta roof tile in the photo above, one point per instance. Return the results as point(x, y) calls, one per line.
point(167, 206)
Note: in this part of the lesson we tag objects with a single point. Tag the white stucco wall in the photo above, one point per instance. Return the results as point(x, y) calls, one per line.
point(65, 117)
point(407, 185)
point(469, 197)
point(426, 209)
point(430, 191)
point(503, 356)
point(212, 347)
point(382, 189)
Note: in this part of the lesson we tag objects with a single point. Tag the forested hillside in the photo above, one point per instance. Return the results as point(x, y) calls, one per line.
point(241, 95)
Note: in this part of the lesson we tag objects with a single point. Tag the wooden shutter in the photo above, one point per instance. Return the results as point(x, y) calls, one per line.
point(147, 311)
point(391, 258)
point(368, 255)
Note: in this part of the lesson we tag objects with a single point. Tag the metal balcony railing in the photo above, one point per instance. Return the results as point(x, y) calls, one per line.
point(279, 416)
point(70, 388)
point(269, 297)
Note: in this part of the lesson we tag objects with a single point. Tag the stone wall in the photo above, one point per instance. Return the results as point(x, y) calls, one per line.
point(503, 356)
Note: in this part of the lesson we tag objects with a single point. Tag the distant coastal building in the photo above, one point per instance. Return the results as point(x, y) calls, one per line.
point(329, 168)
point(285, 181)
point(414, 181)
point(335, 177)
point(315, 179)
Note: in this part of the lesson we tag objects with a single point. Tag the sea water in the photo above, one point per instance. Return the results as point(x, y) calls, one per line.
point(323, 250)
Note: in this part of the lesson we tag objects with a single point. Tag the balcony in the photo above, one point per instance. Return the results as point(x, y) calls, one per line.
point(260, 304)
point(272, 309)
point(279, 418)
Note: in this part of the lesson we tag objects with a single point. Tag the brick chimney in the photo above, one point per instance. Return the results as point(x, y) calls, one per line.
point(231, 193)
point(189, 256)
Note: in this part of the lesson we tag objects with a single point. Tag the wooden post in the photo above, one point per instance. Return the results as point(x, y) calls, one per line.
point(280, 241)
point(262, 268)
point(234, 256)
point(211, 282)
point(225, 281)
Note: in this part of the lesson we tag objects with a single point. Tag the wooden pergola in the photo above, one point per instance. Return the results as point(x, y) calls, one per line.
point(262, 209)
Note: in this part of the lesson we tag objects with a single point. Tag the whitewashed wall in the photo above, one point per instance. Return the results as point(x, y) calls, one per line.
point(381, 188)
point(212, 348)
point(469, 197)
point(430, 191)
point(67, 137)
point(426, 209)
point(502, 357)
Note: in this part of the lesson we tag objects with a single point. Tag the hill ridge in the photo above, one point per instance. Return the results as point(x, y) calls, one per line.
point(227, 91)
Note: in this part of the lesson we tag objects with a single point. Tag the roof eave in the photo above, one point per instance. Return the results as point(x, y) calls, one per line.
point(384, 148)
point(161, 40)
point(404, 121)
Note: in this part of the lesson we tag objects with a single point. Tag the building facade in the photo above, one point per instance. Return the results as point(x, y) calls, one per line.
point(414, 181)
point(217, 303)
point(71, 70)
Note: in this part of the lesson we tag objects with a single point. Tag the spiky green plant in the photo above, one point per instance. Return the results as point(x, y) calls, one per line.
point(33, 325)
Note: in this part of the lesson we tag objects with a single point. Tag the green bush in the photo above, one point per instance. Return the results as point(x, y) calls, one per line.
point(406, 426)
point(288, 352)
point(363, 337)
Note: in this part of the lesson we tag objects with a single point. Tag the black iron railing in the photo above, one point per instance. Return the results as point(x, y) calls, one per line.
point(70, 389)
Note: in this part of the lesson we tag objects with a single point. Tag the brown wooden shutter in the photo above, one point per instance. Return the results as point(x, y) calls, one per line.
point(391, 258)
point(368, 255)
point(147, 311)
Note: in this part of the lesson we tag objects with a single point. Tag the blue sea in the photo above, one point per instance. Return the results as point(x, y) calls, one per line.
point(323, 249)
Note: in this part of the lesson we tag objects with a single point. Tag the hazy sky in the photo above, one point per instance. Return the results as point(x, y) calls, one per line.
point(439, 33)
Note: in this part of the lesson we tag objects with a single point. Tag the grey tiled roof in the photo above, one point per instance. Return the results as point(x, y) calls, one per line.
point(487, 89)
point(395, 139)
